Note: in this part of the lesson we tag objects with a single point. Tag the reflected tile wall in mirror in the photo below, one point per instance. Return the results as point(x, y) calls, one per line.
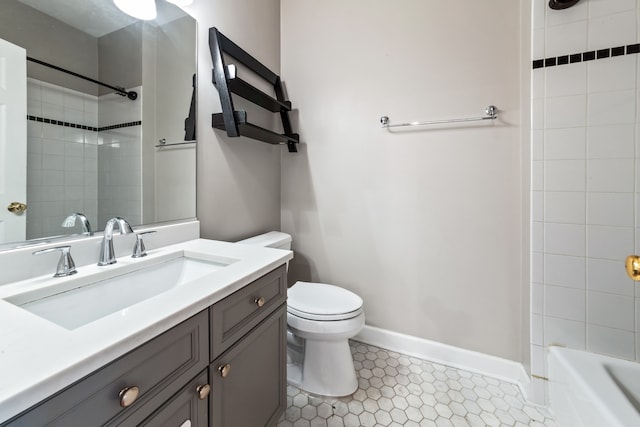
point(120, 158)
point(61, 160)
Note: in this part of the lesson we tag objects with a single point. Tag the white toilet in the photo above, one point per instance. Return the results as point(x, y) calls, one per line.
point(321, 318)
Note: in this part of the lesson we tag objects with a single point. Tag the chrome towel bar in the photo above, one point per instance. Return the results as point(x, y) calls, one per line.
point(491, 113)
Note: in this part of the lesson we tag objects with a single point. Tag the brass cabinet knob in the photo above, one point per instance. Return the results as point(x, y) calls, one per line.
point(632, 265)
point(224, 370)
point(128, 395)
point(259, 301)
point(17, 208)
point(203, 391)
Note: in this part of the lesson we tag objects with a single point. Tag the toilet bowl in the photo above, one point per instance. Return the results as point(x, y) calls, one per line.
point(321, 318)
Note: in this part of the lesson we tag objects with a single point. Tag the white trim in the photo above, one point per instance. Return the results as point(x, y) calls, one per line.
point(485, 364)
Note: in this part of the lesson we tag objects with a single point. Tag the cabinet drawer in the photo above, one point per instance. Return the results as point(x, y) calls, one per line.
point(235, 315)
point(185, 408)
point(158, 368)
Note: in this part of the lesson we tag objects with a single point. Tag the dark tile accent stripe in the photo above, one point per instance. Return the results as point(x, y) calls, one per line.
point(61, 123)
point(633, 48)
point(586, 56)
point(79, 126)
point(576, 57)
point(120, 125)
point(617, 51)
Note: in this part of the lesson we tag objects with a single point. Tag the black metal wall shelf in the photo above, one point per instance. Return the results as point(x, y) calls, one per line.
point(225, 79)
point(253, 131)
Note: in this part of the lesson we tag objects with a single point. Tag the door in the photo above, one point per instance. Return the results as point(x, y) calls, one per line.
point(13, 142)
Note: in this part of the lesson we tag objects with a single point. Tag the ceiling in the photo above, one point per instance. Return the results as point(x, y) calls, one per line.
point(97, 17)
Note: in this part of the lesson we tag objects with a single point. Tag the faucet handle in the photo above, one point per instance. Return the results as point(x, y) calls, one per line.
point(66, 266)
point(138, 248)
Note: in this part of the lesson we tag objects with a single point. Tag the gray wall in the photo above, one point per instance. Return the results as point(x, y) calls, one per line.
point(238, 179)
point(175, 177)
point(52, 41)
point(120, 57)
point(424, 224)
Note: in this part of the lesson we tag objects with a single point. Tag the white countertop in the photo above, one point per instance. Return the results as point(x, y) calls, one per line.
point(39, 358)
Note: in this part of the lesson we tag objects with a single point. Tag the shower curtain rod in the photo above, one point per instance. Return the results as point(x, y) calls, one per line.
point(119, 90)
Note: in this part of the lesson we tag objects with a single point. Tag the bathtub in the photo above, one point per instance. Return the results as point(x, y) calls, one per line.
point(587, 389)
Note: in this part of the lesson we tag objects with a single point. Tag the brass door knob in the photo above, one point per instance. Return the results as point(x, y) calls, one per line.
point(17, 208)
point(224, 370)
point(259, 301)
point(632, 264)
point(203, 391)
point(128, 395)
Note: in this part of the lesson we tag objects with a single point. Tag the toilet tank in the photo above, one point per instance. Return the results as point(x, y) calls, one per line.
point(272, 239)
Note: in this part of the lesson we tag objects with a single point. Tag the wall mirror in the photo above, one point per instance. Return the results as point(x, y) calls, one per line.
point(90, 148)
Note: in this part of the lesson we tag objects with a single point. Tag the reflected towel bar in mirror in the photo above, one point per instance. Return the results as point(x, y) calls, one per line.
point(163, 143)
point(491, 113)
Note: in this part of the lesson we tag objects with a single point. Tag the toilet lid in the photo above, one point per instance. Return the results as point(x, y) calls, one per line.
point(319, 301)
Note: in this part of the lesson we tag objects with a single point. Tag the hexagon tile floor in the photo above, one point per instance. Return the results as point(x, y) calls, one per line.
point(398, 390)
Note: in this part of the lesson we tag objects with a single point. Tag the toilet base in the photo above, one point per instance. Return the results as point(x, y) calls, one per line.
point(327, 368)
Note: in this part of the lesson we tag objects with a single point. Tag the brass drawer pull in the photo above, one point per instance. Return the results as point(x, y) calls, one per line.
point(224, 370)
point(203, 391)
point(128, 395)
point(259, 301)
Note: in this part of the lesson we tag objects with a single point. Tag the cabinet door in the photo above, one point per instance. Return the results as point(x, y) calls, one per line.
point(249, 381)
point(188, 408)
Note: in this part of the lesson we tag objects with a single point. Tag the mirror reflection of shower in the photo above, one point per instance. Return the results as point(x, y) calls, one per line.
point(90, 137)
point(84, 137)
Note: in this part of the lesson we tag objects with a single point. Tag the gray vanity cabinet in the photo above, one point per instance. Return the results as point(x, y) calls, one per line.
point(249, 354)
point(157, 369)
point(249, 381)
point(223, 367)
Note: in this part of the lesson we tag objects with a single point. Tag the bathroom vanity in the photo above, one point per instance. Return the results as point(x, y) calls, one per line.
point(218, 358)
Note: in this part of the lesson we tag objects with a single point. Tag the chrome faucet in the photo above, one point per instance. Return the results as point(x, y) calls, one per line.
point(70, 221)
point(107, 254)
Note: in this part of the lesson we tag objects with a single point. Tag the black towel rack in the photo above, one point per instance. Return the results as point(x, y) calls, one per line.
point(226, 80)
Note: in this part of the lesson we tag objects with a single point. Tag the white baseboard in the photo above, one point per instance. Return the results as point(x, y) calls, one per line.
point(485, 364)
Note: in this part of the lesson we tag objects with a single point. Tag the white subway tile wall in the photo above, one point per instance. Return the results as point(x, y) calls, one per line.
point(585, 180)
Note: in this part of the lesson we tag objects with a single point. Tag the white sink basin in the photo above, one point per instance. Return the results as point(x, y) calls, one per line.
point(72, 307)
